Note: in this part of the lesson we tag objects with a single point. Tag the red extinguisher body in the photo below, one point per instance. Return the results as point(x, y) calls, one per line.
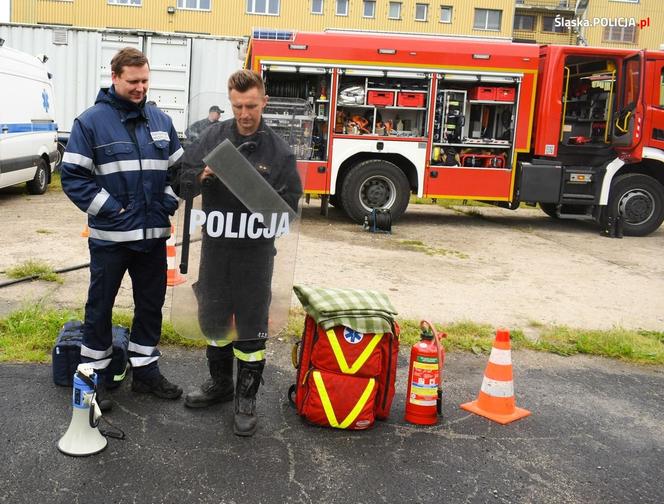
point(423, 382)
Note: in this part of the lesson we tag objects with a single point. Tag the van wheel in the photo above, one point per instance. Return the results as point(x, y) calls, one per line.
point(39, 184)
point(640, 200)
point(375, 183)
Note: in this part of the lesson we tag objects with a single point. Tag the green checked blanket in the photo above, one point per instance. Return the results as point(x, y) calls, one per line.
point(362, 310)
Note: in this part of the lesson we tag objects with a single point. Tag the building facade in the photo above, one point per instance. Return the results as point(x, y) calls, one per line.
point(481, 18)
point(624, 23)
point(541, 21)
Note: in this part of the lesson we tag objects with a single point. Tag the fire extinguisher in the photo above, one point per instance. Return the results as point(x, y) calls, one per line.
point(425, 377)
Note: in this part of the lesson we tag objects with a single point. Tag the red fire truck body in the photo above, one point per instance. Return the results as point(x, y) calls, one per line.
point(578, 130)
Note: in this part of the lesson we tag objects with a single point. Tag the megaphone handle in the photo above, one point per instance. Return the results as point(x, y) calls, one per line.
point(95, 412)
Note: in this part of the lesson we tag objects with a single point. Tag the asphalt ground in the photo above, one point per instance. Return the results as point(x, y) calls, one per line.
point(596, 434)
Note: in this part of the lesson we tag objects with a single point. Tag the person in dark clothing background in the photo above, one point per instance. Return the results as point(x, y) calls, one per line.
point(115, 169)
point(235, 275)
point(195, 130)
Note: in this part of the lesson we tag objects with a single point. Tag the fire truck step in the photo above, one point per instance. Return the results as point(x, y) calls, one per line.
point(575, 212)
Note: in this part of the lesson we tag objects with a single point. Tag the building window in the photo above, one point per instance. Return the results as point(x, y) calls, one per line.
point(369, 9)
point(194, 4)
point(342, 7)
point(421, 11)
point(445, 14)
point(487, 19)
point(626, 34)
point(316, 6)
point(135, 3)
point(395, 10)
point(549, 25)
point(522, 22)
point(270, 7)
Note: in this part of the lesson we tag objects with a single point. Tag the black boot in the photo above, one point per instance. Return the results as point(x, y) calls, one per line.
point(217, 389)
point(149, 380)
point(103, 402)
point(249, 377)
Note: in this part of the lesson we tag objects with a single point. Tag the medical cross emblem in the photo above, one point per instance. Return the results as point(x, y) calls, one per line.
point(352, 337)
point(45, 100)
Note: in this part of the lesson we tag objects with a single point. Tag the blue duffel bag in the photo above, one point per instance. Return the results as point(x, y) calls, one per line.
point(67, 354)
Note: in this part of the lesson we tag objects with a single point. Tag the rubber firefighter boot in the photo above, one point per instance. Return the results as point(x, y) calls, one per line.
point(105, 404)
point(249, 377)
point(218, 388)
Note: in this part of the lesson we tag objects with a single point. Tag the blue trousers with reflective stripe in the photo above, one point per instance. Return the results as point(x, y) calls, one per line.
point(108, 265)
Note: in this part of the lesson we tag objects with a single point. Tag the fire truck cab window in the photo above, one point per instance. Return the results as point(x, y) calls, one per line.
point(632, 82)
point(588, 100)
point(661, 89)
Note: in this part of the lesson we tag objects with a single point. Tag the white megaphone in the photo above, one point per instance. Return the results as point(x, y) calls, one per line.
point(82, 437)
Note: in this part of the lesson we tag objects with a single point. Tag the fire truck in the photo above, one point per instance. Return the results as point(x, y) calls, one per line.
point(577, 130)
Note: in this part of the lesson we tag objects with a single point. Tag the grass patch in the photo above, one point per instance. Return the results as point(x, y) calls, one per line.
point(630, 345)
point(461, 336)
point(295, 324)
point(446, 203)
point(38, 269)
point(169, 335)
point(44, 231)
point(56, 182)
point(418, 246)
point(28, 335)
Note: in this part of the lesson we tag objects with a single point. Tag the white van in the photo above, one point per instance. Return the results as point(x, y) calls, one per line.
point(28, 132)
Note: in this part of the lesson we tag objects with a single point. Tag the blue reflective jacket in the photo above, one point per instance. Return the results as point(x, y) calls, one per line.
point(115, 169)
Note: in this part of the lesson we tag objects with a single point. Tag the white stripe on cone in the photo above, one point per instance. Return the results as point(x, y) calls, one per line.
point(501, 357)
point(497, 388)
point(171, 239)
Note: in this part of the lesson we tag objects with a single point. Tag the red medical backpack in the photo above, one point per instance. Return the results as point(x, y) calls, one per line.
point(345, 379)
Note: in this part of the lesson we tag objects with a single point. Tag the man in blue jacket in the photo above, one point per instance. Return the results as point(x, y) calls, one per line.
point(115, 169)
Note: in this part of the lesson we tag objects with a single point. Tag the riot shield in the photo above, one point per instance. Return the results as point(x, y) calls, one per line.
point(238, 232)
point(198, 111)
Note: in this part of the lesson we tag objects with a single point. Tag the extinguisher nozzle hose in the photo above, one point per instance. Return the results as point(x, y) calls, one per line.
point(439, 403)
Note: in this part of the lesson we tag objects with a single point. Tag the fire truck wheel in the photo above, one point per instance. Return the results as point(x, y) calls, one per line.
point(39, 184)
point(640, 200)
point(375, 183)
point(335, 201)
point(549, 209)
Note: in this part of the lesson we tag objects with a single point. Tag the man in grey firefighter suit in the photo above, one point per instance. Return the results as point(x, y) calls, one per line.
point(235, 275)
point(115, 169)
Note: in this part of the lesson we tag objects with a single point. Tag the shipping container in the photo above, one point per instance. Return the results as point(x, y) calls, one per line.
point(183, 67)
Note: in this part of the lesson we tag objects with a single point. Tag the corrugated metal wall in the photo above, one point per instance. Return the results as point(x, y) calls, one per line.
point(211, 65)
point(229, 17)
point(79, 61)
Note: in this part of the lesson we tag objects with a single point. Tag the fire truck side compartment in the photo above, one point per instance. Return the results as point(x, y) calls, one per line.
point(540, 181)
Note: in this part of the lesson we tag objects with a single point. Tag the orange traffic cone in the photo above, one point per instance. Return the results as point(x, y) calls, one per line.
point(86, 232)
point(496, 397)
point(173, 276)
